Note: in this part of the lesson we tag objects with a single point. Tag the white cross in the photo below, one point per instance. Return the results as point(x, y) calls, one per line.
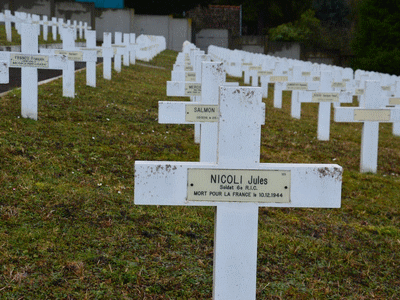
point(91, 65)
point(370, 114)
point(190, 89)
point(237, 184)
point(132, 48)
point(29, 61)
point(119, 51)
point(108, 54)
point(395, 101)
point(105, 51)
point(74, 54)
point(324, 97)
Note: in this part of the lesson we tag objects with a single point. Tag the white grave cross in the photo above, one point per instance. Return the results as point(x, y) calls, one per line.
point(29, 61)
point(371, 114)
point(324, 97)
point(74, 54)
point(237, 184)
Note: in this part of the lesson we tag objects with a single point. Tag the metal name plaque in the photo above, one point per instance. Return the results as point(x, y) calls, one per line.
point(98, 51)
point(302, 86)
point(394, 101)
point(26, 60)
point(201, 113)
point(378, 115)
point(265, 73)
point(278, 78)
point(339, 84)
point(359, 92)
point(190, 76)
point(229, 185)
point(192, 89)
point(72, 55)
point(254, 68)
point(325, 97)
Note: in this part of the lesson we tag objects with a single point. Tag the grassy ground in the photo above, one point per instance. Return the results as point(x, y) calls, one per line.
point(69, 228)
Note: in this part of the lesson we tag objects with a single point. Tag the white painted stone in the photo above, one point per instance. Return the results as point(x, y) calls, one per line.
point(371, 114)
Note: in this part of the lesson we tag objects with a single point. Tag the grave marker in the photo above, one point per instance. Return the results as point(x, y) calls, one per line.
point(29, 61)
point(395, 101)
point(119, 50)
point(370, 114)
point(74, 54)
point(324, 96)
point(91, 65)
point(132, 48)
point(108, 54)
point(237, 184)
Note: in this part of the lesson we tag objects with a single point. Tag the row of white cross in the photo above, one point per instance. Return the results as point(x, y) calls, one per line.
point(44, 23)
point(378, 94)
point(229, 176)
point(124, 50)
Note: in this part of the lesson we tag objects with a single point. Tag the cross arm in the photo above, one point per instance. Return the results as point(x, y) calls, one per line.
point(312, 97)
point(40, 61)
point(166, 183)
point(174, 112)
point(73, 54)
point(183, 89)
point(359, 114)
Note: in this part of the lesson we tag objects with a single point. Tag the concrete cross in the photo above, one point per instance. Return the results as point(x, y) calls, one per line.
point(370, 114)
point(29, 61)
point(237, 184)
point(119, 50)
point(74, 54)
point(324, 96)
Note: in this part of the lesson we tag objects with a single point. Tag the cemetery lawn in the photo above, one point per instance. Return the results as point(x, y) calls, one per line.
point(69, 228)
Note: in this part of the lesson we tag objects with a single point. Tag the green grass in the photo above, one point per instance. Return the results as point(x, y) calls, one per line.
point(16, 38)
point(69, 228)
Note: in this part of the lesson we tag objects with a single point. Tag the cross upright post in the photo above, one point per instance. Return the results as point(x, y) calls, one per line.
point(91, 65)
point(118, 51)
point(395, 101)
point(108, 53)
